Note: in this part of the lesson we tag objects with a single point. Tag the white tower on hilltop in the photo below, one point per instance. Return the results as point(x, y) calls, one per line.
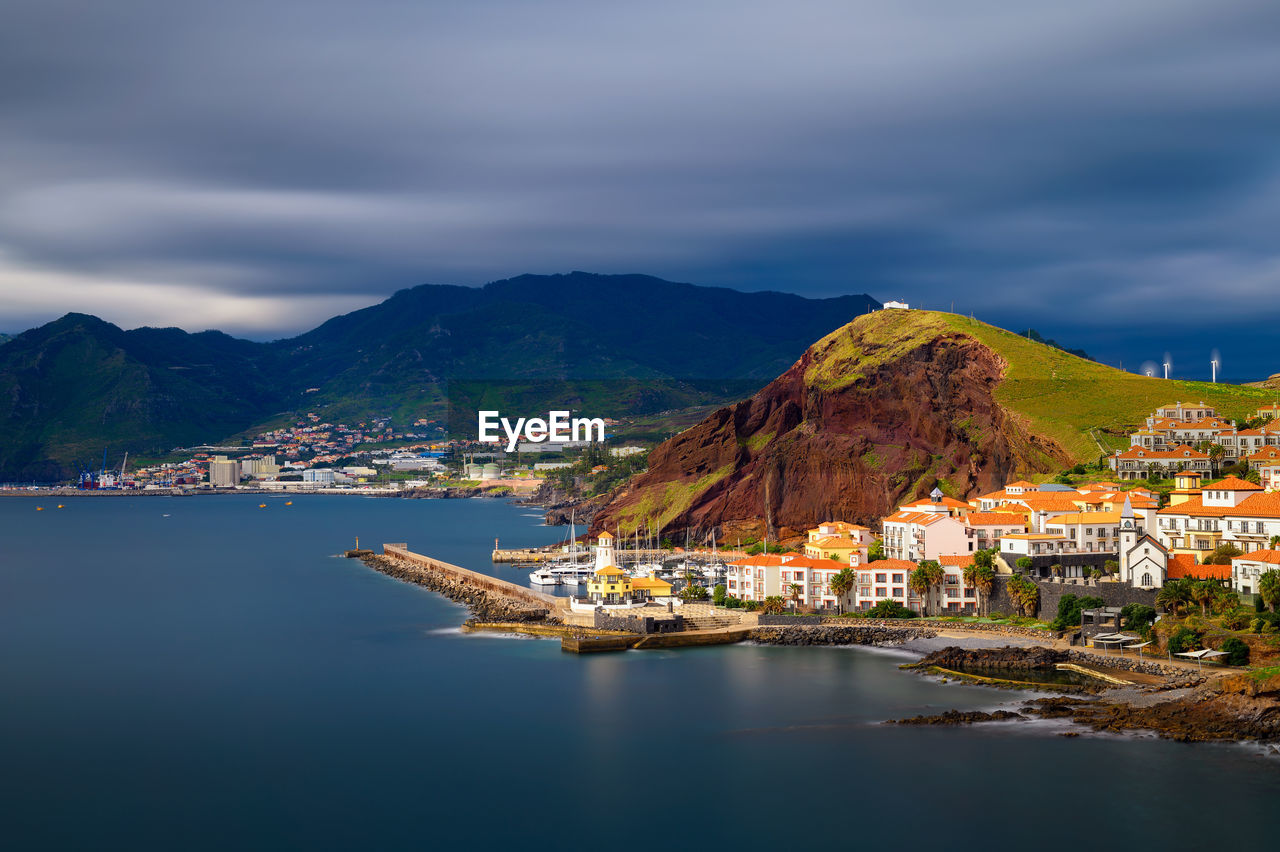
point(604, 550)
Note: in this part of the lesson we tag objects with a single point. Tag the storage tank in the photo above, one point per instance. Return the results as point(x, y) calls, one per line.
point(490, 471)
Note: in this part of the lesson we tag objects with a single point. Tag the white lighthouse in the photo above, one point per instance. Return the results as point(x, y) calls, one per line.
point(604, 550)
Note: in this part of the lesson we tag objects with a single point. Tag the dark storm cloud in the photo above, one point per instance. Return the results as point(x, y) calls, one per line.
point(259, 166)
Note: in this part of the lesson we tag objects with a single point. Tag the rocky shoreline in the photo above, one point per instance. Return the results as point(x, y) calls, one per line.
point(1182, 706)
point(851, 634)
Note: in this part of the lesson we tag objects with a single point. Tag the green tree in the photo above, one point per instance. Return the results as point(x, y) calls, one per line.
point(1183, 639)
point(980, 575)
point(841, 584)
point(1025, 593)
point(1237, 651)
point(794, 594)
point(718, 594)
point(1223, 554)
point(1269, 589)
point(1023, 563)
point(1111, 566)
point(875, 552)
point(1174, 596)
point(773, 605)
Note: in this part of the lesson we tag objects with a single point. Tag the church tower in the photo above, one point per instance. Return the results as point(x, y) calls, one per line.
point(1128, 538)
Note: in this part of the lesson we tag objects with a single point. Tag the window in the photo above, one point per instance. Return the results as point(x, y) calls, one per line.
point(880, 578)
point(897, 578)
point(880, 591)
point(897, 591)
point(1146, 579)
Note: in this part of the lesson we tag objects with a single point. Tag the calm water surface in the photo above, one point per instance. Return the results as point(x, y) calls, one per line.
point(199, 673)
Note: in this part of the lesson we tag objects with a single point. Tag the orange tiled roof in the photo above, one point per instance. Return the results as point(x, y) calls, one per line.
point(1184, 566)
point(1270, 556)
point(922, 518)
point(949, 502)
point(1180, 452)
point(836, 542)
point(1233, 483)
point(820, 564)
point(889, 564)
point(763, 560)
point(984, 519)
point(959, 560)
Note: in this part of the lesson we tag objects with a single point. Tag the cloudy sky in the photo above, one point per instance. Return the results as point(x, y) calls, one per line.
point(1106, 172)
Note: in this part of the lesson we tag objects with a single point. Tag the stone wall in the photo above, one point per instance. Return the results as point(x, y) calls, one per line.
point(1112, 594)
point(645, 622)
point(837, 634)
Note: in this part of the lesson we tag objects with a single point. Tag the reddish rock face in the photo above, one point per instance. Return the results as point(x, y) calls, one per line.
point(800, 454)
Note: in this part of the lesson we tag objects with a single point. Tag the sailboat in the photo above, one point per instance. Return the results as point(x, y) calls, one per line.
point(572, 572)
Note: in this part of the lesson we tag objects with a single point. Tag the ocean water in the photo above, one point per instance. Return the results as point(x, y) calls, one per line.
point(199, 673)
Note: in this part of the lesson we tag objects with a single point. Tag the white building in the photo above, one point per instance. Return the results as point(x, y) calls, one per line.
point(224, 473)
point(319, 475)
point(924, 534)
point(1247, 570)
point(898, 306)
point(884, 579)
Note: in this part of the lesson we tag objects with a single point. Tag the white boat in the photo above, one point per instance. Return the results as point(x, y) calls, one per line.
point(544, 577)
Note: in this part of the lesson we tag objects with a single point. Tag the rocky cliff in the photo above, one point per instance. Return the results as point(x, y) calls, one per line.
point(876, 413)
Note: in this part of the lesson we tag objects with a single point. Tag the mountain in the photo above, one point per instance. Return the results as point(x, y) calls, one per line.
point(882, 410)
point(624, 344)
point(5, 338)
point(78, 385)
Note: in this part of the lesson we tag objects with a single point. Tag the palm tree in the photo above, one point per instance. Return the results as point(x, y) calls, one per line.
point(980, 574)
point(794, 589)
point(931, 576)
point(1173, 596)
point(841, 583)
point(919, 584)
point(1269, 589)
point(1275, 540)
point(1201, 592)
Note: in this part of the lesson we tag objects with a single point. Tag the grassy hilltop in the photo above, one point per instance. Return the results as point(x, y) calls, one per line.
point(1086, 407)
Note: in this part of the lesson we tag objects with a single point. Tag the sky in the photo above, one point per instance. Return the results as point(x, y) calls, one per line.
point(1106, 172)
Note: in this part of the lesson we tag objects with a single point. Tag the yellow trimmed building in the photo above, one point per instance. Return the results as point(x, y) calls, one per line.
point(610, 585)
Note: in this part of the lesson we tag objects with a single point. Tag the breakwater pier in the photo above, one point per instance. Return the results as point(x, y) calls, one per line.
point(490, 598)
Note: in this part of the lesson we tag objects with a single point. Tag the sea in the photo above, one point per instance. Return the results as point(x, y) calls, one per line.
point(206, 673)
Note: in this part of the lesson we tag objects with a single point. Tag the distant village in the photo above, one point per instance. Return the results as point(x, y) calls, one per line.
point(312, 455)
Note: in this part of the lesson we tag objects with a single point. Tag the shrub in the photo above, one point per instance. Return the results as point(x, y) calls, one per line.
point(1024, 593)
point(751, 606)
point(1183, 639)
point(1238, 620)
point(1237, 652)
point(1137, 616)
point(1261, 625)
point(1069, 609)
point(889, 608)
point(1024, 562)
point(718, 595)
point(732, 602)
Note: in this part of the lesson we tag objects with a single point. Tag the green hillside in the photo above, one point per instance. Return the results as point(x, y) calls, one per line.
point(1085, 406)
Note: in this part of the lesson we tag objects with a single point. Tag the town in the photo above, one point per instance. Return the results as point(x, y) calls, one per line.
point(1176, 539)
